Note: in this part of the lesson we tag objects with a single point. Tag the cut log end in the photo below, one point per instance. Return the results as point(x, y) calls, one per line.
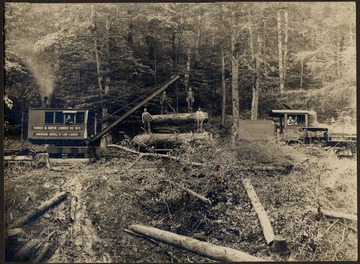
point(279, 245)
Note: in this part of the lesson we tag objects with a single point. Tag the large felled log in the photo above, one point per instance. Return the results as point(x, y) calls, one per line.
point(259, 209)
point(73, 206)
point(42, 252)
point(273, 169)
point(156, 155)
point(40, 210)
point(173, 139)
point(26, 252)
point(13, 239)
point(203, 248)
point(177, 118)
point(334, 214)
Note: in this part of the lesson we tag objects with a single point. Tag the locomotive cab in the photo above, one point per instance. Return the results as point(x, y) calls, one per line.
point(295, 125)
point(64, 131)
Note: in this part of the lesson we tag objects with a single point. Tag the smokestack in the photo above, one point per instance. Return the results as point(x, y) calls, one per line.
point(46, 103)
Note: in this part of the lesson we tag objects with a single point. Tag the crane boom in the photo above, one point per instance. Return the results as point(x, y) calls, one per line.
point(132, 110)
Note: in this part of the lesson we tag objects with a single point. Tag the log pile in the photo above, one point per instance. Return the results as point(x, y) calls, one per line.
point(19, 246)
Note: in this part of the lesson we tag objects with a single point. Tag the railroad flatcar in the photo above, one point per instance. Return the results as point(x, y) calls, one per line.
point(63, 131)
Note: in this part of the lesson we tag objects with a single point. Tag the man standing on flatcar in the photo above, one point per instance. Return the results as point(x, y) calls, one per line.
point(146, 118)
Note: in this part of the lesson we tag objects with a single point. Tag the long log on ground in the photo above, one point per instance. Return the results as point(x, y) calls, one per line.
point(156, 155)
point(18, 158)
point(177, 118)
point(26, 251)
point(40, 210)
point(175, 139)
point(42, 252)
point(267, 168)
point(334, 214)
point(203, 248)
point(259, 209)
point(73, 206)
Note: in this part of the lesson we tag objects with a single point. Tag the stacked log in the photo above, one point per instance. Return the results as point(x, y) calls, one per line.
point(173, 139)
point(177, 118)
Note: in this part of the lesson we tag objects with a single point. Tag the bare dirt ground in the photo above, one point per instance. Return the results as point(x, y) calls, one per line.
point(111, 198)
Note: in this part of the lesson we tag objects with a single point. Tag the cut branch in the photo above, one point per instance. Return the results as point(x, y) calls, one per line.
point(40, 210)
point(334, 214)
point(199, 196)
point(203, 248)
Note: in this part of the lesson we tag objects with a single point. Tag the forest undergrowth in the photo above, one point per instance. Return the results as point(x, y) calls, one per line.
point(152, 193)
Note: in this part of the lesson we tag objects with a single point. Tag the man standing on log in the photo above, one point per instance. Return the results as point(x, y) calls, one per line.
point(163, 102)
point(190, 100)
point(146, 118)
point(200, 117)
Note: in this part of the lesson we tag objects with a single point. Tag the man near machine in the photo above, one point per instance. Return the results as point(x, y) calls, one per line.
point(163, 102)
point(146, 118)
point(190, 100)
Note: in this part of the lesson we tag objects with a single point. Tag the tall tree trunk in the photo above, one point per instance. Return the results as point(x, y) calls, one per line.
point(223, 86)
point(255, 94)
point(251, 37)
point(108, 56)
point(22, 118)
point(234, 81)
point(107, 138)
point(338, 50)
point(286, 29)
point(173, 43)
point(302, 73)
point(280, 49)
point(187, 71)
point(97, 49)
point(256, 87)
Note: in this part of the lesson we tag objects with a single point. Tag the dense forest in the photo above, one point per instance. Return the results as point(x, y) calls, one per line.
point(241, 59)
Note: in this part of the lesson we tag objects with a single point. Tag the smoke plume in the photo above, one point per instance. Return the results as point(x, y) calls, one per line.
point(39, 67)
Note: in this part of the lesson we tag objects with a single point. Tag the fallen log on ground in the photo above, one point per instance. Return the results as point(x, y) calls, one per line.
point(40, 210)
point(13, 239)
point(15, 232)
point(173, 139)
point(156, 155)
point(334, 214)
point(42, 252)
point(274, 169)
point(259, 209)
point(18, 158)
point(73, 205)
point(203, 248)
point(26, 252)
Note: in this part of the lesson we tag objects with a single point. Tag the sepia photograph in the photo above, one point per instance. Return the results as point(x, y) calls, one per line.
point(180, 132)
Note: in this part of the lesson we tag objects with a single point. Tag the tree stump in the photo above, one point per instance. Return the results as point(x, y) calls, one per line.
point(280, 246)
